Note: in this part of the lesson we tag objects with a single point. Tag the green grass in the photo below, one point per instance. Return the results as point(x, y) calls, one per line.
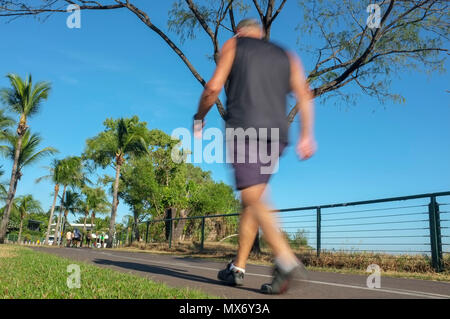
point(27, 274)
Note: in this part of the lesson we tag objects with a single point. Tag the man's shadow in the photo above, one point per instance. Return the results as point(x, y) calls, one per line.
point(167, 271)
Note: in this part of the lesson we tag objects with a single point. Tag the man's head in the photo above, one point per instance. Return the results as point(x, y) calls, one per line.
point(249, 28)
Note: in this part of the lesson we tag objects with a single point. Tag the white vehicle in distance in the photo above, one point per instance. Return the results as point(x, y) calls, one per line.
point(51, 239)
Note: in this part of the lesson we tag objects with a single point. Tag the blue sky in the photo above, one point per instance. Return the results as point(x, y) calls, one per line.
point(115, 66)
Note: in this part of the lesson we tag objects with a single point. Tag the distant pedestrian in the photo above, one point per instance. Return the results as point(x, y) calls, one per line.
point(69, 239)
point(76, 237)
point(102, 239)
point(94, 239)
point(105, 239)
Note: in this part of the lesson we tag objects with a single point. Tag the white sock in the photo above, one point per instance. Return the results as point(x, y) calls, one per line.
point(286, 264)
point(237, 268)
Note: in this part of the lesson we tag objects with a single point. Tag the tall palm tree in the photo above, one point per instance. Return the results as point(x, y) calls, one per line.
point(123, 138)
point(71, 175)
point(28, 155)
point(24, 205)
point(24, 99)
point(56, 171)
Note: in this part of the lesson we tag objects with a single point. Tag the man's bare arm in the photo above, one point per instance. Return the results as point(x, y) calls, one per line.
point(215, 85)
point(303, 94)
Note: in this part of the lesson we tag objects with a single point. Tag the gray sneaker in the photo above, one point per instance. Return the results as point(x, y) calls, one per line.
point(230, 276)
point(282, 281)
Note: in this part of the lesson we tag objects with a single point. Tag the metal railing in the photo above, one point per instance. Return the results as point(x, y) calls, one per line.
point(374, 226)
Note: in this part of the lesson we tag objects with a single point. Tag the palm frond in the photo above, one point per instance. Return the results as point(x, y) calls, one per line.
point(39, 155)
point(29, 153)
point(23, 98)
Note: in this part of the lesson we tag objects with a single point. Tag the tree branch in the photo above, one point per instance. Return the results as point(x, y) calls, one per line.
point(31, 11)
point(145, 18)
point(205, 27)
point(341, 79)
point(277, 12)
point(258, 8)
point(232, 21)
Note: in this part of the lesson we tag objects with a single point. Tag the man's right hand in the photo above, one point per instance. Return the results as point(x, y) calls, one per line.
point(198, 128)
point(306, 147)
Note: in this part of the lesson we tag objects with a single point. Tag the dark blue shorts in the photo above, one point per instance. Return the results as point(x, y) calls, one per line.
point(253, 162)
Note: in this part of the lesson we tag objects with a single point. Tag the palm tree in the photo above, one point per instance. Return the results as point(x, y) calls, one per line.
point(71, 175)
point(71, 204)
point(122, 138)
point(24, 205)
point(28, 155)
point(84, 209)
point(56, 174)
point(95, 201)
point(24, 99)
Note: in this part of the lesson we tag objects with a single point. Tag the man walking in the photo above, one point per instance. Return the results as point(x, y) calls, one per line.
point(257, 76)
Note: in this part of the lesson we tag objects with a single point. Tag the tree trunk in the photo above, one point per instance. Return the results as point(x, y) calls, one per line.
point(61, 208)
point(52, 210)
point(66, 213)
point(92, 220)
point(178, 232)
point(136, 228)
point(112, 222)
point(12, 184)
point(20, 230)
point(127, 241)
point(168, 215)
point(85, 218)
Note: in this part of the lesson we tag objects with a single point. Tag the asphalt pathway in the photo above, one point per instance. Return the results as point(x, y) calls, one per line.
point(179, 271)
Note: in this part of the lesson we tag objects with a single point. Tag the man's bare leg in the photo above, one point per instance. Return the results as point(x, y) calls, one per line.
point(255, 213)
point(248, 229)
point(254, 206)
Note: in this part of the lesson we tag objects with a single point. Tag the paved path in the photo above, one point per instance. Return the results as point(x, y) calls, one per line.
point(179, 271)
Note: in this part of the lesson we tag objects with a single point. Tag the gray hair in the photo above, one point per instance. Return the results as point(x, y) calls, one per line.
point(248, 23)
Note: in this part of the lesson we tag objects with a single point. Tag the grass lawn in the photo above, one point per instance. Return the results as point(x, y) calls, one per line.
point(25, 273)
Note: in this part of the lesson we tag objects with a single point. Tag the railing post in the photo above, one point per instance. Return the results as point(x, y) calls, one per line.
point(319, 219)
point(170, 232)
point(203, 234)
point(146, 234)
point(435, 234)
